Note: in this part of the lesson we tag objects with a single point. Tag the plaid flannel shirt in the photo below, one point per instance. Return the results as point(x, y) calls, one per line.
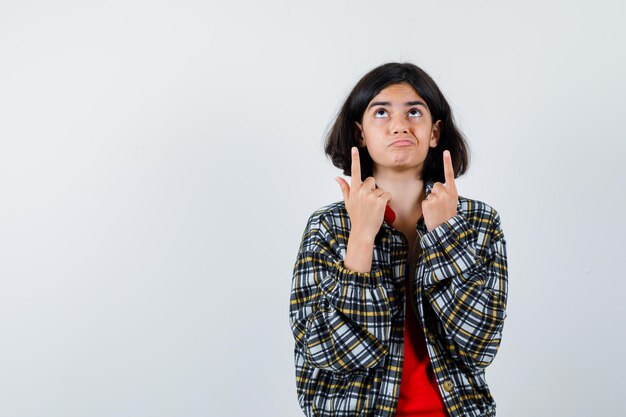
point(348, 326)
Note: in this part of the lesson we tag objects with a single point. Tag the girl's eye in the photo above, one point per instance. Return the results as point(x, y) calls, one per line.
point(378, 112)
point(413, 113)
point(417, 112)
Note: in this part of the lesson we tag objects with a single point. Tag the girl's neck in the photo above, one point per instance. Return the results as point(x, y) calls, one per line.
point(407, 193)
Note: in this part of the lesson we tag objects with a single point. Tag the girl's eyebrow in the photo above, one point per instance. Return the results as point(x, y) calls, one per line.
point(387, 103)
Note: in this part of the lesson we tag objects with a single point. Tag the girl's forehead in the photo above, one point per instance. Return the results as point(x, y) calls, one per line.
point(398, 95)
point(401, 89)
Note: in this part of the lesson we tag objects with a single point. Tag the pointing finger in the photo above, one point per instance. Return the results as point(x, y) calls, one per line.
point(356, 168)
point(448, 170)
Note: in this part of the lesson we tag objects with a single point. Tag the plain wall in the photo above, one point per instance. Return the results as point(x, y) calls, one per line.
point(159, 160)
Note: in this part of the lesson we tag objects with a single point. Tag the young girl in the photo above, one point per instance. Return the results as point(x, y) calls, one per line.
point(399, 291)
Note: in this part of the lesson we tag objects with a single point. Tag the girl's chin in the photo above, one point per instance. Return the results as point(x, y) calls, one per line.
point(399, 165)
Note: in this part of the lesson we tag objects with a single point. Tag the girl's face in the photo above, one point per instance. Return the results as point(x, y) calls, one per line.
point(397, 129)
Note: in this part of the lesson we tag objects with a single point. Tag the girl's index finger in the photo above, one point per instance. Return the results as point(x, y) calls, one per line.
point(355, 168)
point(448, 170)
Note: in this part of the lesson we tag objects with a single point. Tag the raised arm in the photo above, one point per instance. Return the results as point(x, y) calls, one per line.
point(340, 319)
point(467, 289)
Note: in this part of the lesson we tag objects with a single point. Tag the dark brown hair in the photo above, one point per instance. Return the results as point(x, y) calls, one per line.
point(344, 133)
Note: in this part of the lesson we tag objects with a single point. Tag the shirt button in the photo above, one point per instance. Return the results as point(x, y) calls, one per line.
point(447, 385)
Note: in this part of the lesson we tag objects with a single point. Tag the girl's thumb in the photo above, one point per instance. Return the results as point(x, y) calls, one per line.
point(342, 186)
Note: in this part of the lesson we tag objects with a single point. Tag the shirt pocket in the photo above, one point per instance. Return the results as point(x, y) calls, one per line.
point(344, 393)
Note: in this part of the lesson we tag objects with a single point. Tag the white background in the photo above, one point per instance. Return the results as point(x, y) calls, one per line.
point(159, 160)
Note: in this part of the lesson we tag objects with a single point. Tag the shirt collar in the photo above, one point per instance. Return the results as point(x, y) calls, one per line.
point(390, 216)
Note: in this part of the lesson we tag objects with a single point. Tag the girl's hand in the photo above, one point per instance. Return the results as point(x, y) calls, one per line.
point(440, 206)
point(364, 202)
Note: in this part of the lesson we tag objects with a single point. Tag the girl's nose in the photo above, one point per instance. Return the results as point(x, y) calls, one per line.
point(399, 125)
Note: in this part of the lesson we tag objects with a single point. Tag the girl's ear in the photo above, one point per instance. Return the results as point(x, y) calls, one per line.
point(359, 135)
point(435, 134)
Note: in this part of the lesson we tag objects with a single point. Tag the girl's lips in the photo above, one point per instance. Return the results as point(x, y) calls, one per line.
point(402, 143)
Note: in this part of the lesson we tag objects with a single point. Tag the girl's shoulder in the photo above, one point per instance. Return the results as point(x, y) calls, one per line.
point(481, 215)
point(333, 218)
point(475, 206)
point(478, 209)
point(329, 216)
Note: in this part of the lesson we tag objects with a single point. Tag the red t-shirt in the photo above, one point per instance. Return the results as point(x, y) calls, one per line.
point(419, 393)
